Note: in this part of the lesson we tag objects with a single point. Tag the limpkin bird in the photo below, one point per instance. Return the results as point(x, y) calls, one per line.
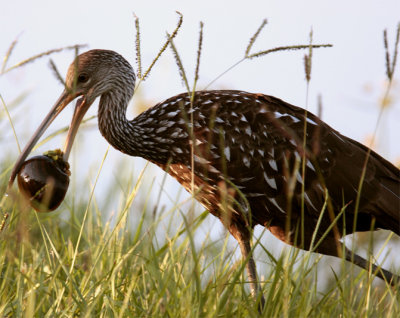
point(251, 162)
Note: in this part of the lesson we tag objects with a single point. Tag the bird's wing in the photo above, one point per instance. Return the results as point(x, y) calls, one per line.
point(255, 144)
point(255, 141)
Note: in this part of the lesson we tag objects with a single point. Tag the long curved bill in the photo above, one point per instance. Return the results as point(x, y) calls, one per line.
point(81, 108)
point(62, 102)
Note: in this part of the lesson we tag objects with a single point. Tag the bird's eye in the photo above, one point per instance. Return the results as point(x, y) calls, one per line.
point(83, 78)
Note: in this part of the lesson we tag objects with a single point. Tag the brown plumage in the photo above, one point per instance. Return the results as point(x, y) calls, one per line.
point(248, 155)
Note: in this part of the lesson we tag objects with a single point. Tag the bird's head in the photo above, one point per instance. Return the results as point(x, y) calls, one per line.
point(96, 72)
point(90, 75)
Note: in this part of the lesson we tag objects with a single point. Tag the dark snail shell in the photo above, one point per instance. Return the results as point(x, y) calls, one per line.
point(44, 181)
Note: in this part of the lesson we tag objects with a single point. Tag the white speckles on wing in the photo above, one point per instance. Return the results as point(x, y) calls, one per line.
point(320, 188)
point(172, 114)
point(178, 133)
point(255, 195)
point(161, 129)
point(161, 140)
point(148, 121)
point(200, 160)
point(190, 111)
point(227, 152)
point(215, 155)
point(295, 119)
point(275, 203)
point(310, 165)
point(197, 125)
point(182, 121)
point(271, 151)
point(337, 136)
point(245, 179)
point(308, 201)
point(197, 142)
point(166, 123)
point(177, 150)
point(272, 164)
point(212, 169)
point(271, 181)
point(246, 161)
point(298, 177)
point(213, 147)
point(248, 130)
point(163, 150)
point(296, 154)
point(293, 142)
point(153, 111)
point(262, 109)
point(147, 130)
point(310, 121)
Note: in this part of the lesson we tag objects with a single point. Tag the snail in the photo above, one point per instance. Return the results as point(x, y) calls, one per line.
point(44, 180)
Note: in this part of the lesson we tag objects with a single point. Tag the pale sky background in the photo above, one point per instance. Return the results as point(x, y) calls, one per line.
point(350, 76)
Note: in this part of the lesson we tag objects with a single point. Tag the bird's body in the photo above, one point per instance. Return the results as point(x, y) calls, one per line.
point(244, 149)
point(245, 158)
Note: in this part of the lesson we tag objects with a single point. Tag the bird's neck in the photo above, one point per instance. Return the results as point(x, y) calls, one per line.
point(113, 124)
point(127, 136)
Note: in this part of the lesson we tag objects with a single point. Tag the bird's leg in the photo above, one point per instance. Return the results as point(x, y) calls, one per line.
point(251, 270)
point(380, 272)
